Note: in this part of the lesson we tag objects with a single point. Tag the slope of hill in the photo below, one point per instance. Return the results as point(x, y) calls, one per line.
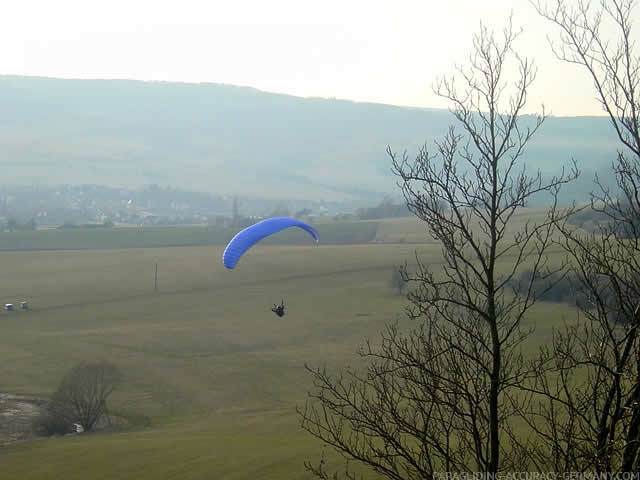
point(235, 140)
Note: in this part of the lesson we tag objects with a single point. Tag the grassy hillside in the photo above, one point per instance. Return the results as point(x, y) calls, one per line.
point(218, 375)
point(216, 371)
point(235, 140)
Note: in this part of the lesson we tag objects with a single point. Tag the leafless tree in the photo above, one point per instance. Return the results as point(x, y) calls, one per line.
point(590, 375)
point(398, 281)
point(441, 394)
point(83, 393)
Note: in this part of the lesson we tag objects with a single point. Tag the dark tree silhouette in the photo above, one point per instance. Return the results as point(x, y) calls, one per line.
point(441, 395)
point(590, 376)
point(83, 393)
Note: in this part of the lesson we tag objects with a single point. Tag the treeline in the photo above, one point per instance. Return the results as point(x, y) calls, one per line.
point(549, 288)
point(386, 209)
point(618, 218)
point(105, 224)
point(13, 225)
point(568, 288)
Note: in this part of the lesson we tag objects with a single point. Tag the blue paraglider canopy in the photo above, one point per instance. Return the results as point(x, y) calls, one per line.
point(248, 237)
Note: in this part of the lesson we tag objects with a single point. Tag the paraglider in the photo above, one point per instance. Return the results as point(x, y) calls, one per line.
point(278, 309)
point(247, 238)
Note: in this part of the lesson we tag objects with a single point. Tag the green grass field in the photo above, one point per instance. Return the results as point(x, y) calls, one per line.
point(336, 233)
point(217, 373)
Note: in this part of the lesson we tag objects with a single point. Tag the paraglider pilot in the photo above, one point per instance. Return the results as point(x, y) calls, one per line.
point(278, 309)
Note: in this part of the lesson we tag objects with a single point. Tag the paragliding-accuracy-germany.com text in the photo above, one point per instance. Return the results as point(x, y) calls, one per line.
point(536, 476)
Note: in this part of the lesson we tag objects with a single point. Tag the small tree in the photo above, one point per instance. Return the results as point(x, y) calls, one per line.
point(83, 393)
point(235, 212)
point(30, 225)
point(281, 210)
point(398, 281)
point(304, 213)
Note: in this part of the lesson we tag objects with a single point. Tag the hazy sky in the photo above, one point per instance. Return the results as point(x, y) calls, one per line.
point(383, 51)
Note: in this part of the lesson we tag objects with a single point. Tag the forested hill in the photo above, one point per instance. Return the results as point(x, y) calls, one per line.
point(236, 140)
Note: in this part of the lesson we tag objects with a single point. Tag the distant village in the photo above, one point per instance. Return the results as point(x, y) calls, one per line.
point(69, 206)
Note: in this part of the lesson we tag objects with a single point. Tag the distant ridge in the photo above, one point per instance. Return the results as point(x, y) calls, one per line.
point(229, 139)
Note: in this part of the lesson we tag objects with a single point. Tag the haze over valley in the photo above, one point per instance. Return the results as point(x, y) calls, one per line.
point(227, 140)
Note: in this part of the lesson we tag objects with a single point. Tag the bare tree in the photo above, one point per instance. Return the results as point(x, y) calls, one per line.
point(398, 280)
point(590, 375)
point(83, 393)
point(441, 396)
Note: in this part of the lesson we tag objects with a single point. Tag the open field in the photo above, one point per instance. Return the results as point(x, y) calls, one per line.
point(143, 237)
point(216, 374)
